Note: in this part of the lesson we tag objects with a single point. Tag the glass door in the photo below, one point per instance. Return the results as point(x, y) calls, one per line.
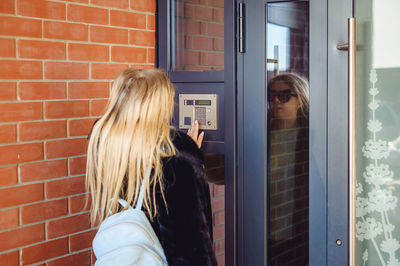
point(377, 133)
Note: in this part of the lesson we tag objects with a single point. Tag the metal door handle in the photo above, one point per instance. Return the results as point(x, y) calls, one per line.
point(352, 137)
point(351, 48)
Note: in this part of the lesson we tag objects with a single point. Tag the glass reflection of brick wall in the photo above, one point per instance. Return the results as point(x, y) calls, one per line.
point(199, 35)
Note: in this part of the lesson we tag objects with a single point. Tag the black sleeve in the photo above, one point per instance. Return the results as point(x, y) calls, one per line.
point(184, 231)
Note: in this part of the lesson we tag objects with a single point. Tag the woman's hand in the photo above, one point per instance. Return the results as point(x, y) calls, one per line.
point(193, 132)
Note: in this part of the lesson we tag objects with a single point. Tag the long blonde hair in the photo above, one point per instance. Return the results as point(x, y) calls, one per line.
point(133, 135)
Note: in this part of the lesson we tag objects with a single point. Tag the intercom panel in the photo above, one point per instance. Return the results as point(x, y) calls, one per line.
point(200, 107)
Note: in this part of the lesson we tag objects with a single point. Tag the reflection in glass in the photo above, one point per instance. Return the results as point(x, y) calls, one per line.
point(288, 93)
point(198, 42)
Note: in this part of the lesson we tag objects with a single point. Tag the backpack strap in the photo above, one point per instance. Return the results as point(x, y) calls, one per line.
point(141, 194)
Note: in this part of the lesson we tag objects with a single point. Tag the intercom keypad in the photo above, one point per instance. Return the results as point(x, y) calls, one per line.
point(200, 107)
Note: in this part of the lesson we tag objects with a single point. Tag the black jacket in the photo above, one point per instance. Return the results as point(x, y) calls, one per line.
point(185, 230)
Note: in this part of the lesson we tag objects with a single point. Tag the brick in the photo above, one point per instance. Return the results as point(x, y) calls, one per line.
point(151, 55)
point(65, 187)
point(128, 54)
point(219, 218)
point(7, 47)
point(214, 29)
point(44, 211)
point(106, 71)
point(108, 35)
point(98, 107)
point(66, 109)
point(41, 49)
point(218, 204)
point(151, 22)
point(80, 127)
point(203, 28)
point(65, 31)
point(202, 43)
point(7, 133)
point(66, 70)
point(191, 58)
point(10, 259)
point(7, 6)
point(143, 5)
point(64, 148)
point(123, 4)
point(79, 1)
point(67, 225)
point(42, 90)
point(212, 59)
point(84, 90)
point(219, 190)
point(219, 247)
point(20, 27)
point(77, 165)
point(218, 44)
point(144, 38)
point(78, 203)
point(81, 241)
point(8, 91)
point(219, 232)
point(44, 251)
point(218, 15)
point(87, 52)
point(203, 12)
point(221, 260)
point(8, 175)
point(191, 26)
point(87, 14)
point(16, 69)
point(42, 170)
point(20, 195)
point(42, 130)
point(41, 9)
point(217, 3)
point(11, 154)
point(127, 19)
point(81, 259)
point(189, 10)
point(8, 218)
point(142, 66)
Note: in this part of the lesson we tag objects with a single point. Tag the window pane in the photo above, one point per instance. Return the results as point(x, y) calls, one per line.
point(198, 37)
point(288, 138)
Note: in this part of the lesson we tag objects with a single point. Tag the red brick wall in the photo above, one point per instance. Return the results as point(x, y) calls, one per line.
point(199, 39)
point(57, 60)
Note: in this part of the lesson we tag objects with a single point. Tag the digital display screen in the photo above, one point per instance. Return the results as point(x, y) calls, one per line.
point(203, 102)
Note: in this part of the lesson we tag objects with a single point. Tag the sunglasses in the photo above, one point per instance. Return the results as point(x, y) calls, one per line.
point(283, 96)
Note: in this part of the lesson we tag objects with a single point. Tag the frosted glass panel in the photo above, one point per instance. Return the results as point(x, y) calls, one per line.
point(377, 133)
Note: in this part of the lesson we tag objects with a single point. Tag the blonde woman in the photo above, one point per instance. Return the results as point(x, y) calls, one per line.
point(135, 134)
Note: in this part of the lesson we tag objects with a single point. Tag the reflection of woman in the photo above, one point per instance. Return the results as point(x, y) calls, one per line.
point(289, 95)
point(289, 99)
point(135, 137)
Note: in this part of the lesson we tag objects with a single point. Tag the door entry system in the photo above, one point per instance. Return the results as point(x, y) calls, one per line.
point(200, 107)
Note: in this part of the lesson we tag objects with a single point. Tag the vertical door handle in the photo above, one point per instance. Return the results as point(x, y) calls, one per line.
point(352, 138)
point(351, 48)
point(241, 27)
